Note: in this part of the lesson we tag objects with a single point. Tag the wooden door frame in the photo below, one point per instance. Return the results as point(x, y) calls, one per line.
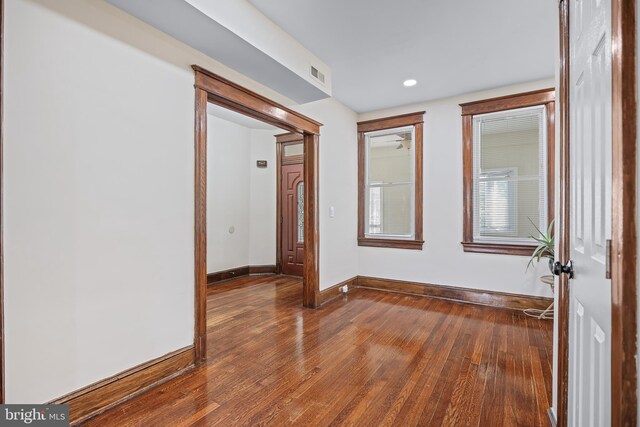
point(623, 231)
point(282, 140)
point(210, 87)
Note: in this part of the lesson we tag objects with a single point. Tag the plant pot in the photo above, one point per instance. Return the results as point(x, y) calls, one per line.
point(551, 262)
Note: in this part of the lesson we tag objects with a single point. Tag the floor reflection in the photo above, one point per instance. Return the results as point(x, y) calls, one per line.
point(369, 358)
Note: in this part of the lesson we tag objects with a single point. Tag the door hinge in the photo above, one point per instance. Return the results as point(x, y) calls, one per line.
point(608, 260)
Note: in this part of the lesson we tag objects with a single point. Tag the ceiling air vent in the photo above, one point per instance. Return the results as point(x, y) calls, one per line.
point(316, 74)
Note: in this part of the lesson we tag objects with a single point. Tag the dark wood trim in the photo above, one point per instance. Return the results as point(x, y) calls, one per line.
point(293, 160)
point(278, 208)
point(562, 221)
point(200, 251)
point(93, 399)
point(233, 96)
point(411, 119)
point(623, 232)
point(391, 243)
point(520, 100)
point(467, 179)
point(509, 102)
point(452, 293)
point(289, 137)
point(498, 248)
point(419, 183)
point(232, 273)
point(224, 275)
point(552, 418)
point(2, 399)
point(255, 270)
point(333, 292)
point(311, 268)
point(361, 181)
point(551, 160)
point(391, 122)
point(210, 87)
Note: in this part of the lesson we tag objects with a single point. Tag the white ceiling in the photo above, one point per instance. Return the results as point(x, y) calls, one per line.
point(239, 119)
point(450, 46)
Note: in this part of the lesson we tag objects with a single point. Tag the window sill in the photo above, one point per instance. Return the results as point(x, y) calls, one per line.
point(391, 243)
point(499, 248)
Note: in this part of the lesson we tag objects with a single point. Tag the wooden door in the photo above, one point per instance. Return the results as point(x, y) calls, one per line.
point(589, 400)
point(292, 208)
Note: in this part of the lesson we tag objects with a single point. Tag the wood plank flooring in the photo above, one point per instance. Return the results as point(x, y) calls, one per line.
point(370, 359)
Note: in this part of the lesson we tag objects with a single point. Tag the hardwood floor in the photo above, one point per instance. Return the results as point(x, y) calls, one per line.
point(370, 358)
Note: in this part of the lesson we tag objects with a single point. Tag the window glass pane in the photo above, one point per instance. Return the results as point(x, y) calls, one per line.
point(390, 210)
point(390, 160)
point(391, 157)
point(375, 210)
point(301, 212)
point(509, 174)
point(293, 150)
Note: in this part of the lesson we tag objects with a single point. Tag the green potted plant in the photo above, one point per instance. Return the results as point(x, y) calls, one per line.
point(545, 249)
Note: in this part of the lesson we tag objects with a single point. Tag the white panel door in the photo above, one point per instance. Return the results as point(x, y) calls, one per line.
point(590, 142)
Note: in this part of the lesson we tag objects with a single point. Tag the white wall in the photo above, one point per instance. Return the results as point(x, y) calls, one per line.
point(442, 260)
point(98, 196)
point(240, 195)
point(262, 203)
point(338, 188)
point(228, 186)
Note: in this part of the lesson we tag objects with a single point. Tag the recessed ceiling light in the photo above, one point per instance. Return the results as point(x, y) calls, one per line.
point(410, 82)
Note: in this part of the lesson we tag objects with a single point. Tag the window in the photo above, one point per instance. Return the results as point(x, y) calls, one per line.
point(508, 148)
point(497, 207)
point(390, 182)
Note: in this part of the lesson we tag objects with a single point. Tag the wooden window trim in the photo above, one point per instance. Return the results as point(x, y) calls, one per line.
point(412, 119)
point(544, 97)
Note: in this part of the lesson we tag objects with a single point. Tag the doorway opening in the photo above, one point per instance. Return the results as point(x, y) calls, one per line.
point(290, 204)
point(213, 89)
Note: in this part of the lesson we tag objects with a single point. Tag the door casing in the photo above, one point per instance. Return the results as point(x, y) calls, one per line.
point(210, 87)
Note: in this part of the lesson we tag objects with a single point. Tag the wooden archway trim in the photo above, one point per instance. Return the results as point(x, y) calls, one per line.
point(235, 97)
point(210, 87)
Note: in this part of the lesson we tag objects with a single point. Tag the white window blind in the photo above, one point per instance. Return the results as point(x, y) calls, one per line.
point(389, 183)
point(509, 175)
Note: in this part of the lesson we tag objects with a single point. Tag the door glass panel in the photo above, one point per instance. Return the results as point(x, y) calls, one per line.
point(301, 212)
point(293, 150)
